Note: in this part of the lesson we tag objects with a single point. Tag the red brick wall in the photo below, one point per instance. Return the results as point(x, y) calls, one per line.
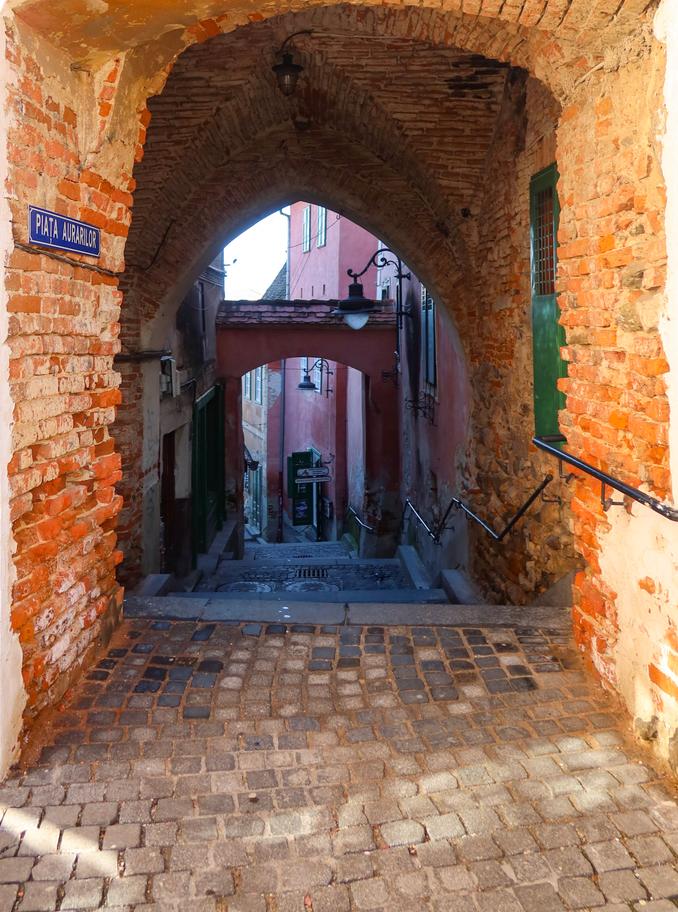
point(502, 467)
point(64, 315)
point(612, 274)
point(63, 331)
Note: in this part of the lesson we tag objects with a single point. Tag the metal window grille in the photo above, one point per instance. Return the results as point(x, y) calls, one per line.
point(544, 266)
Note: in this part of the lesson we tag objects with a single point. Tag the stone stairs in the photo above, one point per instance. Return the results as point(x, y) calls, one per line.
point(315, 571)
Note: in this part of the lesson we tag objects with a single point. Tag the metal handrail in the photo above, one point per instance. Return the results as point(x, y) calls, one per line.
point(360, 522)
point(548, 445)
point(409, 505)
point(455, 503)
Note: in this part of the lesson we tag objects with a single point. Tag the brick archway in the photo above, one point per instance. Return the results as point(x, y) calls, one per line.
point(249, 336)
point(458, 210)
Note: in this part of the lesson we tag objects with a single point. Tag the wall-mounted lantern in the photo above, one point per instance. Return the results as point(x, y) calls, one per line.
point(287, 72)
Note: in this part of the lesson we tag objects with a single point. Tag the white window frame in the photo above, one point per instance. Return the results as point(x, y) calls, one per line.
point(258, 385)
point(322, 226)
point(247, 385)
point(306, 230)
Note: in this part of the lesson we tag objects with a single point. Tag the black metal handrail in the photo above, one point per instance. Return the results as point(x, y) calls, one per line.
point(549, 445)
point(410, 506)
point(455, 503)
point(361, 523)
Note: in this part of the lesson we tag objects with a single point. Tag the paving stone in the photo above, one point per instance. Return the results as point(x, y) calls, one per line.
point(661, 881)
point(369, 894)
point(313, 784)
point(538, 898)
point(404, 832)
point(443, 826)
point(83, 894)
point(38, 897)
point(126, 891)
point(580, 893)
point(621, 886)
point(608, 856)
point(122, 836)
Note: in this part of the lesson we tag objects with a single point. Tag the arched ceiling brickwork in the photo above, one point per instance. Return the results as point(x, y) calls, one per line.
point(90, 35)
point(319, 165)
point(390, 125)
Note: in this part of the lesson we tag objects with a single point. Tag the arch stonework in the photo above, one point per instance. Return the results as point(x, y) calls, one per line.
point(80, 114)
point(248, 338)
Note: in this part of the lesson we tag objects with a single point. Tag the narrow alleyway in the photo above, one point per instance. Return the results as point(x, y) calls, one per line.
point(276, 768)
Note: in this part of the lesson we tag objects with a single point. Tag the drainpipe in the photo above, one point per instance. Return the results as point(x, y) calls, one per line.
point(283, 375)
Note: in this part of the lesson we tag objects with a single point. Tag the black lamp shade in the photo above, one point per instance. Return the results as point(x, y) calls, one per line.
point(356, 309)
point(307, 383)
point(287, 73)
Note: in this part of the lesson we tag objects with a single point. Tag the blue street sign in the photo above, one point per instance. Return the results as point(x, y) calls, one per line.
point(48, 229)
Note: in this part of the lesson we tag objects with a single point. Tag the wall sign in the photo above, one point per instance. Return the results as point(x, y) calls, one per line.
point(48, 229)
point(312, 474)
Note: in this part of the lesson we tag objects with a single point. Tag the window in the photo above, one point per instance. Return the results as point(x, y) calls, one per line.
point(322, 226)
point(306, 230)
point(547, 334)
point(247, 385)
point(258, 384)
point(428, 337)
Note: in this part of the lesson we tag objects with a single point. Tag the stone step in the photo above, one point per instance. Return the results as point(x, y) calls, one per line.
point(322, 613)
point(409, 596)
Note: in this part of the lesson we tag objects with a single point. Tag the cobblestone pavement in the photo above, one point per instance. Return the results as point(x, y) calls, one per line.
point(249, 768)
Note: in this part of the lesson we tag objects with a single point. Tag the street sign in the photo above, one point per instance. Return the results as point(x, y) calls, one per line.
point(49, 229)
point(312, 474)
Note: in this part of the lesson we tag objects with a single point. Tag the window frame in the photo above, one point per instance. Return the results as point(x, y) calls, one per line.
point(321, 239)
point(247, 385)
point(258, 385)
point(548, 336)
point(306, 230)
point(429, 338)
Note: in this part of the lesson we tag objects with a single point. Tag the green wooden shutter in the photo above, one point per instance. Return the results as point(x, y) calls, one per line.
point(547, 334)
point(208, 498)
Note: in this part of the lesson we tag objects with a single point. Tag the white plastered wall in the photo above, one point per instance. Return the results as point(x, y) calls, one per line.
point(12, 693)
point(639, 556)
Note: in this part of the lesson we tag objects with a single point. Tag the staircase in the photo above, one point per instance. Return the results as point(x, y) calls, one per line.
point(313, 571)
point(324, 584)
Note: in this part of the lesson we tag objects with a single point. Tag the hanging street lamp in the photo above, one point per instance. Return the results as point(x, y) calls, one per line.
point(287, 72)
point(356, 309)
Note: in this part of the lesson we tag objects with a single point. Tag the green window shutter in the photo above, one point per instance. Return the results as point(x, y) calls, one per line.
point(547, 334)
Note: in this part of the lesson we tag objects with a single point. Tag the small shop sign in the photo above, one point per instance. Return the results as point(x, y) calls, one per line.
point(49, 229)
point(312, 474)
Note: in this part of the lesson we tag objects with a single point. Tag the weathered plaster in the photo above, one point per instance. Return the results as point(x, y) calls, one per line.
point(12, 694)
point(646, 587)
point(643, 617)
point(666, 29)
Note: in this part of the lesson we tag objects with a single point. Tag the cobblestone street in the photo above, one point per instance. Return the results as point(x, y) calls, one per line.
point(265, 768)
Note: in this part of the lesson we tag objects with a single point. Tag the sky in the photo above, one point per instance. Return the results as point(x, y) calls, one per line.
point(257, 256)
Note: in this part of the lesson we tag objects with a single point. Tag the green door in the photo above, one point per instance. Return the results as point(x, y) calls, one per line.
point(208, 471)
point(547, 334)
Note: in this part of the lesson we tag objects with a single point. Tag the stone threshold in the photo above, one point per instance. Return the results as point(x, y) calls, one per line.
point(322, 613)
